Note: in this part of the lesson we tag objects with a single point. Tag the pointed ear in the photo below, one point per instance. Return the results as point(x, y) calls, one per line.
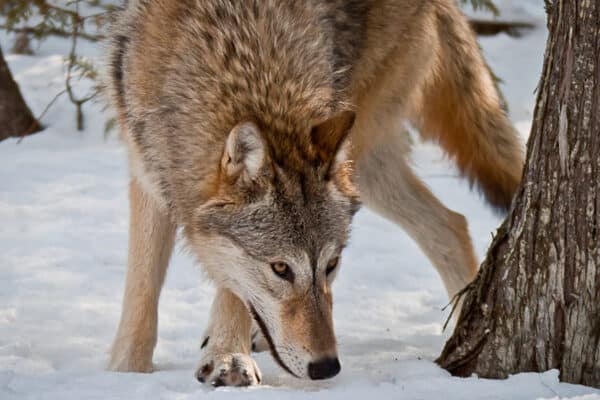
point(245, 152)
point(328, 137)
point(332, 142)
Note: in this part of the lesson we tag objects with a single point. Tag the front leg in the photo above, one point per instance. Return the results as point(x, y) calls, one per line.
point(226, 345)
point(151, 239)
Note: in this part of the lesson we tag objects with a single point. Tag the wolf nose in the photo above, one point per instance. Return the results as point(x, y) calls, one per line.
point(324, 369)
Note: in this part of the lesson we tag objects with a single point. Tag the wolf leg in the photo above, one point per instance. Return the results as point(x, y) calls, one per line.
point(389, 187)
point(151, 239)
point(226, 345)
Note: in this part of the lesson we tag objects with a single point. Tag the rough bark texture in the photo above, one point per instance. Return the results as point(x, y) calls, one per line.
point(536, 302)
point(15, 117)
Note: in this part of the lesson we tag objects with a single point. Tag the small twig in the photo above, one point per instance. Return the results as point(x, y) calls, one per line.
point(34, 127)
point(51, 103)
point(98, 14)
point(38, 120)
point(53, 7)
point(77, 24)
point(43, 31)
point(455, 301)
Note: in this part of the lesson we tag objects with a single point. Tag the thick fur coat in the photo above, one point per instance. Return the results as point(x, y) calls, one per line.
point(257, 126)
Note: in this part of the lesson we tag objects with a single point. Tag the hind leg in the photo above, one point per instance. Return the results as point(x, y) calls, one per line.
point(389, 187)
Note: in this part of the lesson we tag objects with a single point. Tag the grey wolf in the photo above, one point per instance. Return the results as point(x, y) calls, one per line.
point(259, 126)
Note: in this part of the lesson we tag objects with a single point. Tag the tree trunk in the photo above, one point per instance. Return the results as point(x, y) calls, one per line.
point(535, 304)
point(15, 117)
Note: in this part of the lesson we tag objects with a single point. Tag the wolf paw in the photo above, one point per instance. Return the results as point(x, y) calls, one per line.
point(228, 370)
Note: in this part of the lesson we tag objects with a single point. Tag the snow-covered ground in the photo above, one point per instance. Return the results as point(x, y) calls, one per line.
point(63, 243)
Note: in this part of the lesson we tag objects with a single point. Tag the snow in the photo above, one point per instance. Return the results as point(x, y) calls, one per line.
point(63, 245)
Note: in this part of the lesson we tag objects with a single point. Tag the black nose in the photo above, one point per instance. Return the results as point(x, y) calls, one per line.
point(324, 369)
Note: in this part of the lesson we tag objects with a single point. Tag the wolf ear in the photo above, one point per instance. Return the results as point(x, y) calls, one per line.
point(329, 138)
point(244, 152)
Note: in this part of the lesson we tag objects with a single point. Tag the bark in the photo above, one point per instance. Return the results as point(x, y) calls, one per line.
point(15, 117)
point(535, 304)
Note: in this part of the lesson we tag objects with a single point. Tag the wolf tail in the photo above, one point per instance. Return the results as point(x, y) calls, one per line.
point(460, 108)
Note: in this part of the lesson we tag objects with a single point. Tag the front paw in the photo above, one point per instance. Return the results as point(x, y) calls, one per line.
point(235, 369)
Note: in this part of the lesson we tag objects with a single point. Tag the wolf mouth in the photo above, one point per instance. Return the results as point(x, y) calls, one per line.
point(267, 335)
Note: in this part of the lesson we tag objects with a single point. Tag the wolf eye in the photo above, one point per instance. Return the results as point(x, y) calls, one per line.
point(283, 271)
point(333, 263)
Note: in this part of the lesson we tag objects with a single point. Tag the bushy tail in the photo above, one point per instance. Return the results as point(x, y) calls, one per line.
point(461, 109)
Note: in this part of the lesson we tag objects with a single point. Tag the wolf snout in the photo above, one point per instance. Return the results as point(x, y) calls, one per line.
point(324, 369)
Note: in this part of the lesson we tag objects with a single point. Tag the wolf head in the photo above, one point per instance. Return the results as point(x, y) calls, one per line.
point(274, 230)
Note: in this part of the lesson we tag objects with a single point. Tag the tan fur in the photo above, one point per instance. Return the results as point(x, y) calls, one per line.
point(310, 323)
point(151, 239)
point(227, 344)
point(268, 113)
point(389, 187)
point(459, 107)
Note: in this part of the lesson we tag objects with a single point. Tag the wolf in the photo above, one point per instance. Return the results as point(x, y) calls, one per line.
point(259, 127)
